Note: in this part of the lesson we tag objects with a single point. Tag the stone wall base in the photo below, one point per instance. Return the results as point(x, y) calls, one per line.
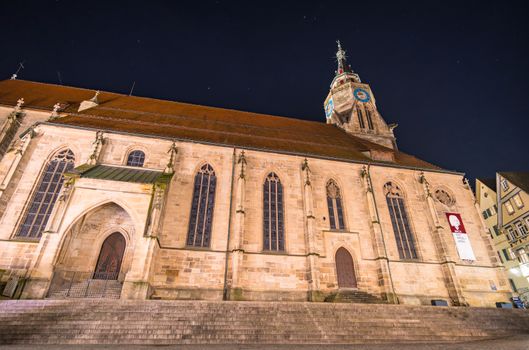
point(136, 290)
point(486, 298)
point(243, 294)
point(35, 288)
point(187, 294)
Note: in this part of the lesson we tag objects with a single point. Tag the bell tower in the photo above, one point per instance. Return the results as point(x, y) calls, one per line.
point(351, 106)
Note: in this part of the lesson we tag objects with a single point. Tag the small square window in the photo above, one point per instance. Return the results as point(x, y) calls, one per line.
point(506, 254)
point(509, 207)
point(518, 200)
point(511, 234)
point(496, 231)
point(522, 256)
point(522, 229)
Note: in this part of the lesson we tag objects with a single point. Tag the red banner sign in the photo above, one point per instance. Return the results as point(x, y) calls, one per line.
point(461, 238)
point(456, 223)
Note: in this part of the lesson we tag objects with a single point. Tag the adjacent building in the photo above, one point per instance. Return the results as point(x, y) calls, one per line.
point(513, 218)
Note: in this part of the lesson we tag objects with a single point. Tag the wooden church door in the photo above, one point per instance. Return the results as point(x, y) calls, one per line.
point(110, 257)
point(345, 269)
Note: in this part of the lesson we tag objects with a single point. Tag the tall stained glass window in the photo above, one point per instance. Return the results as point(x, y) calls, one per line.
point(201, 218)
point(400, 222)
point(334, 202)
point(45, 195)
point(136, 158)
point(273, 221)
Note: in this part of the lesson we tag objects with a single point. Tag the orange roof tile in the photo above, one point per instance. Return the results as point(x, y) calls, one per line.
point(147, 116)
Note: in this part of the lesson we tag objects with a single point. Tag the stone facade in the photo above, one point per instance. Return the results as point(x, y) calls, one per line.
point(159, 265)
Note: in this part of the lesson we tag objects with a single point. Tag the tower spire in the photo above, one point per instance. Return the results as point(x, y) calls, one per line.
point(343, 67)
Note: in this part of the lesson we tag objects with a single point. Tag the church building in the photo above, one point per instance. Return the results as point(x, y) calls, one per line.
point(116, 196)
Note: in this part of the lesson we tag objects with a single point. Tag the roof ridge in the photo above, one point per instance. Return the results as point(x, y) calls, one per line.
point(191, 122)
point(170, 101)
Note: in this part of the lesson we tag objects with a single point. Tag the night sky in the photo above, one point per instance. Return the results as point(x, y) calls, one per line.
point(453, 74)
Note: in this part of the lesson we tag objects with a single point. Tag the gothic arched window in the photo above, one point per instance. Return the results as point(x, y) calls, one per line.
point(136, 158)
point(360, 118)
point(334, 202)
point(273, 225)
point(201, 217)
point(400, 221)
point(45, 195)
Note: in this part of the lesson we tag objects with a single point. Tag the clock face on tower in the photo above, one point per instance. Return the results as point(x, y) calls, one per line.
point(361, 95)
point(329, 108)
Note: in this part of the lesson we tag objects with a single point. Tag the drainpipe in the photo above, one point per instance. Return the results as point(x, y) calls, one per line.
point(225, 289)
point(382, 234)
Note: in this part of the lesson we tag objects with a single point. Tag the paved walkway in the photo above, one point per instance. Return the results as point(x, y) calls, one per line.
point(520, 342)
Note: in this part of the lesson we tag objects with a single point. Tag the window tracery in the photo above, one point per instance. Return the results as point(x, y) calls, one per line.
point(444, 197)
point(334, 203)
point(201, 218)
point(45, 195)
point(400, 221)
point(136, 158)
point(273, 225)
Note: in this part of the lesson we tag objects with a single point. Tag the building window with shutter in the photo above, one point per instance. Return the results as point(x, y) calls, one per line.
point(496, 231)
point(43, 199)
point(203, 202)
point(136, 158)
point(400, 222)
point(506, 254)
point(273, 225)
point(509, 207)
point(334, 203)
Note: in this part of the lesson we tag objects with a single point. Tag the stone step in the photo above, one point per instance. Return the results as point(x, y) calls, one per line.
point(354, 296)
point(103, 321)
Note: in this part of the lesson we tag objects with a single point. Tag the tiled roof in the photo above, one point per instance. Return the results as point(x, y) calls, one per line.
point(518, 178)
point(124, 174)
point(184, 121)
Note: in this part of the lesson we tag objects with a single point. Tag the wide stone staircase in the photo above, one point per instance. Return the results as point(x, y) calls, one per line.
point(157, 322)
point(354, 296)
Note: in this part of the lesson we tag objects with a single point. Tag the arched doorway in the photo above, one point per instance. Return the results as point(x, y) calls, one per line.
point(110, 257)
point(345, 269)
